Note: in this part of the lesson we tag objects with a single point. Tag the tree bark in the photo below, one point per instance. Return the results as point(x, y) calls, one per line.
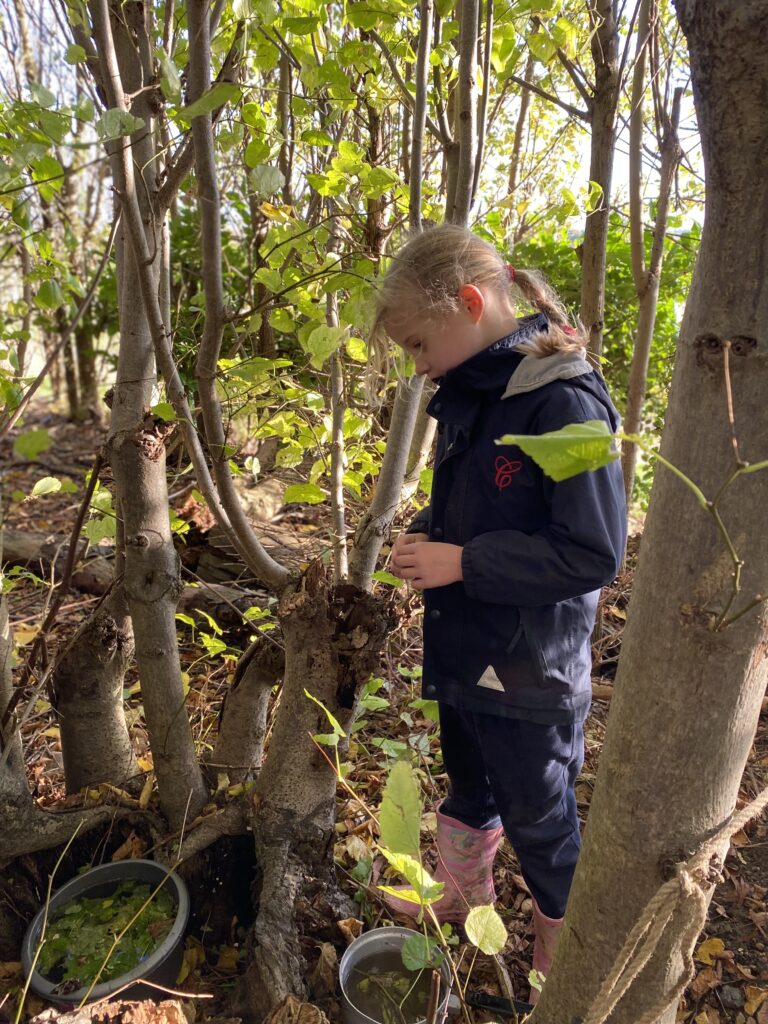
point(333, 639)
point(646, 281)
point(243, 720)
point(136, 443)
point(605, 53)
point(88, 697)
point(688, 694)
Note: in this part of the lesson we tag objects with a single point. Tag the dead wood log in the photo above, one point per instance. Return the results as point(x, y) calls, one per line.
point(169, 1011)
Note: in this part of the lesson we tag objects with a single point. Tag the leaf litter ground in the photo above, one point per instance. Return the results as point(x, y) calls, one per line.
point(731, 981)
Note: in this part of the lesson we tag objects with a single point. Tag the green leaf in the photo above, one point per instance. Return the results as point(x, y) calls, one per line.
point(47, 485)
point(42, 95)
point(316, 137)
point(115, 122)
point(306, 494)
point(256, 152)
point(420, 880)
point(49, 295)
point(97, 530)
point(266, 179)
point(420, 953)
point(165, 411)
point(542, 46)
point(400, 813)
point(338, 733)
point(382, 576)
point(486, 930)
point(170, 80)
point(212, 99)
point(357, 349)
point(323, 342)
point(31, 443)
point(573, 449)
point(75, 54)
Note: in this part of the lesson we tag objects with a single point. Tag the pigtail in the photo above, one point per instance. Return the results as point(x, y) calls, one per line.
point(561, 336)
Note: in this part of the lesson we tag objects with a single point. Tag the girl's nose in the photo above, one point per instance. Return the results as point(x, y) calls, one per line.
point(420, 365)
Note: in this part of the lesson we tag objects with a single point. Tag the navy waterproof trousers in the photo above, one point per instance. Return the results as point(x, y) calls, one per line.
point(519, 774)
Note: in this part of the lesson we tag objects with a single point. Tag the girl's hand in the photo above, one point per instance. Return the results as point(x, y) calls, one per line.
point(427, 564)
point(403, 543)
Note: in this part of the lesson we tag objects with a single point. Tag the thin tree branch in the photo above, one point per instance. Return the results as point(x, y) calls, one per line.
point(420, 113)
point(405, 93)
point(583, 115)
point(213, 329)
point(482, 116)
point(247, 545)
point(458, 210)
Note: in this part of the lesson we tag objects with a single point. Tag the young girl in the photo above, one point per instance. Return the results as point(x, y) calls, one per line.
point(511, 565)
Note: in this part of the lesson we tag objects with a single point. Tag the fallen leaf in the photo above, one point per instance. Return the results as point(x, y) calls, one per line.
point(350, 928)
point(755, 997)
point(708, 950)
point(132, 849)
point(25, 636)
point(740, 838)
point(704, 982)
point(762, 1014)
point(291, 1011)
point(228, 958)
point(10, 969)
point(146, 791)
point(194, 956)
point(323, 979)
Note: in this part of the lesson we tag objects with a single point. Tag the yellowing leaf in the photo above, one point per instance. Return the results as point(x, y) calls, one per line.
point(146, 791)
point(755, 998)
point(708, 950)
point(486, 930)
point(25, 636)
point(145, 763)
point(52, 733)
point(227, 961)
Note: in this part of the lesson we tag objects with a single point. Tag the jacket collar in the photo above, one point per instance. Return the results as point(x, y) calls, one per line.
point(487, 371)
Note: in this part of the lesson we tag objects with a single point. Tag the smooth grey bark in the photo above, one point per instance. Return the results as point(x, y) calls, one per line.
point(375, 524)
point(647, 283)
point(136, 442)
point(461, 155)
point(13, 779)
point(688, 695)
point(239, 744)
point(88, 697)
point(603, 107)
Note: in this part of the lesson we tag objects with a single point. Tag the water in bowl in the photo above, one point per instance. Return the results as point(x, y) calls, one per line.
point(382, 988)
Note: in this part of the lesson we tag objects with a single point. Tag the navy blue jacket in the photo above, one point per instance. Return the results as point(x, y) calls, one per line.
point(513, 637)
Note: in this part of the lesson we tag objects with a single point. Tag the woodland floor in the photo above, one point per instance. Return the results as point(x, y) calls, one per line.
point(731, 983)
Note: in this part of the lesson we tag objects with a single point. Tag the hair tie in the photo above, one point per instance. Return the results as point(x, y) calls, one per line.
point(511, 272)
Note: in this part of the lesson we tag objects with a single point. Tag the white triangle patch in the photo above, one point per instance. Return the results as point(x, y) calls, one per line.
point(490, 680)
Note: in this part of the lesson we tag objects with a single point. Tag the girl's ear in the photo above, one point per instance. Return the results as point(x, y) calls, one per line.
point(472, 301)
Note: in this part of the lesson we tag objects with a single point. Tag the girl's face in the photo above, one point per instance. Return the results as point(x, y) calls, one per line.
point(438, 346)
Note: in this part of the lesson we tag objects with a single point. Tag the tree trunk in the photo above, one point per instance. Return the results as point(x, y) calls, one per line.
point(243, 721)
point(90, 403)
point(88, 688)
point(605, 53)
point(333, 638)
point(136, 443)
point(13, 780)
point(688, 693)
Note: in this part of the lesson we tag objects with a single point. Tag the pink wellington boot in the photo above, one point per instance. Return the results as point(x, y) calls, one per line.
point(465, 866)
point(547, 932)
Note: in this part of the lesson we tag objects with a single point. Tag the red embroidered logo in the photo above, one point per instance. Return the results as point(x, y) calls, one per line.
point(505, 470)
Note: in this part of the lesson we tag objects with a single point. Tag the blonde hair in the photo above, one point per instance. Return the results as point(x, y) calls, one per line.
point(425, 276)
